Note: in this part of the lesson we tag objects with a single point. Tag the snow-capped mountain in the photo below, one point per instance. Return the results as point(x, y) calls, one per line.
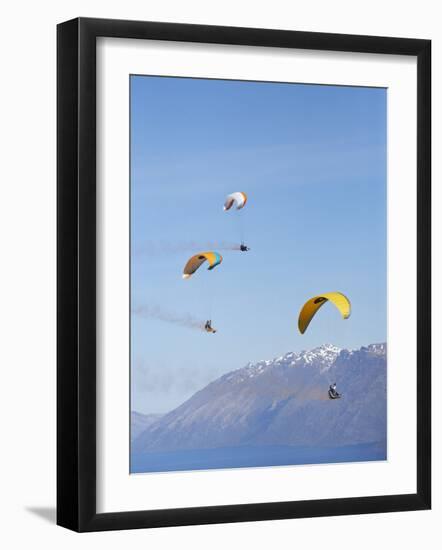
point(322, 357)
point(283, 401)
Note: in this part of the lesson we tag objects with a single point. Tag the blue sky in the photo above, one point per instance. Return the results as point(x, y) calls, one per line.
point(312, 160)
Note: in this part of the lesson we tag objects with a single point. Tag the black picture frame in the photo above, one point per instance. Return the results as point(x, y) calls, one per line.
point(77, 288)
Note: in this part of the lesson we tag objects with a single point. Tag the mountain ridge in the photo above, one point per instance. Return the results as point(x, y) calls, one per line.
point(140, 421)
point(282, 401)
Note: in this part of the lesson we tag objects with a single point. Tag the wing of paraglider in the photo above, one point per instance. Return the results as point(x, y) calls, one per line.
point(310, 308)
point(237, 199)
point(196, 261)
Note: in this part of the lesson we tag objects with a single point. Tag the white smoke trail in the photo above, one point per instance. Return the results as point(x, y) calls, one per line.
point(151, 248)
point(158, 313)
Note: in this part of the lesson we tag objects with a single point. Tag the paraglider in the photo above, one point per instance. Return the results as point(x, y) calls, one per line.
point(310, 308)
point(196, 261)
point(193, 264)
point(237, 200)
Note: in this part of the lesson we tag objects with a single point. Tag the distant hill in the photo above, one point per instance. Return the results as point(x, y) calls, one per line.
point(282, 401)
point(139, 422)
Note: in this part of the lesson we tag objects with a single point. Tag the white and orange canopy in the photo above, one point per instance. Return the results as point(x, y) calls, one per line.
point(237, 199)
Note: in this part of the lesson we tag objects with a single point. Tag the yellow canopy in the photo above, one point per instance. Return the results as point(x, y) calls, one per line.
point(213, 259)
point(310, 308)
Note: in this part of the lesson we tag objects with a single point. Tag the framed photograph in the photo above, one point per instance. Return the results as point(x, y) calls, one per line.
point(243, 274)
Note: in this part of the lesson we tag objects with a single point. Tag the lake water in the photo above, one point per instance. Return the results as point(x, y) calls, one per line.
point(252, 457)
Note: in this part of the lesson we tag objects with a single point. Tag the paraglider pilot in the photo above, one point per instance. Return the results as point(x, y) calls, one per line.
point(332, 392)
point(243, 247)
point(208, 327)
